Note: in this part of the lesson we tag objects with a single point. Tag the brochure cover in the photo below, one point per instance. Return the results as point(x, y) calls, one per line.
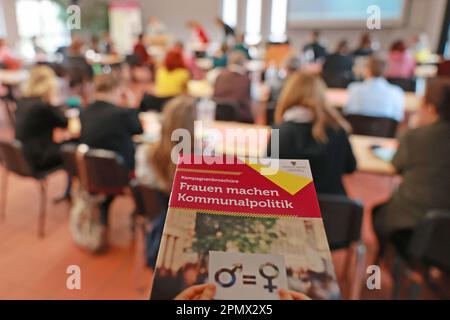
point(248, 232)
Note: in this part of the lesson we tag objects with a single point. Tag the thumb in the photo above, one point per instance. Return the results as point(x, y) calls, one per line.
point(285, 295)
point(209, 292)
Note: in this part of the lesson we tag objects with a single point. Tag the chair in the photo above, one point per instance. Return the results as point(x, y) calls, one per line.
point(227, 111)
point(372, 126)
point(342, 218)
point(14, 161)
point(102, 172)
point(428, 248)
point(10, 109)
point(150, 203)
point(408, 85)
point(335, 79)
point(153, 103)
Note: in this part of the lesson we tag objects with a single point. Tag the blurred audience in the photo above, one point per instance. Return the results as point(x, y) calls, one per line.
point(233, 85)
point(422, 161)
point(105, 125)
point(375, 96)
point(365, 47)
point(400, 62)
point(311, 130)
point(315, 49)
point(173, 76)
point(37, 117)
point(8, 60)
point(337, 70)
point(155, 166)
point(228, 32)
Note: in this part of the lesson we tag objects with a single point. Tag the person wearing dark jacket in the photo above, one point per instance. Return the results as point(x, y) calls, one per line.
point(422, 161)
point(337, 70)
point(104, 125)
point(36, 119)
point(318, 51)
point(309, 130)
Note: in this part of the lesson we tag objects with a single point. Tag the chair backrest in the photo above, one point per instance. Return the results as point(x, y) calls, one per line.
point(335, 79)
point(12, 157)
point(342, 218)
point(10, 108)
point(408, 85)
point(69, 156)
point(99, 171)
point(227, 110)
point(430, 243)
point(149, 201)
point(106, 172)
point(153, 103)
point(373, 126)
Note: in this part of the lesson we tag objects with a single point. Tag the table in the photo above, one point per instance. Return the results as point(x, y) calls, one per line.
point(339, 98)
point(366, 160)
point(105, 59)
point(13, 77)
point(214, 133)
point(200, 89)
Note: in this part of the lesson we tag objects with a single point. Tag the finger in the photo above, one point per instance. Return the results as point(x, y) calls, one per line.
point(209, 292)
point(284, 295)
point(190, 293)
point(299, 296)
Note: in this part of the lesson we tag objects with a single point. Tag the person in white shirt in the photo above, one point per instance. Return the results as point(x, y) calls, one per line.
point(375, 96)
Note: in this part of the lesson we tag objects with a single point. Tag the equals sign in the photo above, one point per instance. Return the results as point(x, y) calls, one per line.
point(247, 279)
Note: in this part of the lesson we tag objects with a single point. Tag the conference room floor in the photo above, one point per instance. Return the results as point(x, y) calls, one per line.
point(33, 268)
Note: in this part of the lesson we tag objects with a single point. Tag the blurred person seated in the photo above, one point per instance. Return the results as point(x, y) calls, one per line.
point(311, 130)
point(39, 53)
point(220, 58)
point(199, 38)
point(155, 166)
point(400, 62)
point(228, 32)
point(107, 44)
point(105, 125)
point(314, 50)
point(37, 117)
point(422, 161)
point(173, 76)
point(242, 46)
point(233, 85)
point(365, 47)
point(140, 50)
point(375, 96)
point(7, 57)
point(337, 70)
point(95, 44)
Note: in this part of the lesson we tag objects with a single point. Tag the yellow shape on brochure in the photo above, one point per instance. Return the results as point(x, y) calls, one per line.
point(290, 182)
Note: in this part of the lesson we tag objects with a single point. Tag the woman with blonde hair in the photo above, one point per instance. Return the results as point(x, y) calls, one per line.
point(310, 129)
point(155, 166)
point(37, 117)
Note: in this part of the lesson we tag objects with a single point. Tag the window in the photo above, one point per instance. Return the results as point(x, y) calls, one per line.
point(253, 21)
point(278, 20)
point(41, 18)
point(229, 12)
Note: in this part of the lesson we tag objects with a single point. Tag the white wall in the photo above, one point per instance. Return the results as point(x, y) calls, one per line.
point(9, 15)
point(175, 13)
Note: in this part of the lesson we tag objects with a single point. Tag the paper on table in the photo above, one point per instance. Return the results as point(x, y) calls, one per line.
point(242, 276)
